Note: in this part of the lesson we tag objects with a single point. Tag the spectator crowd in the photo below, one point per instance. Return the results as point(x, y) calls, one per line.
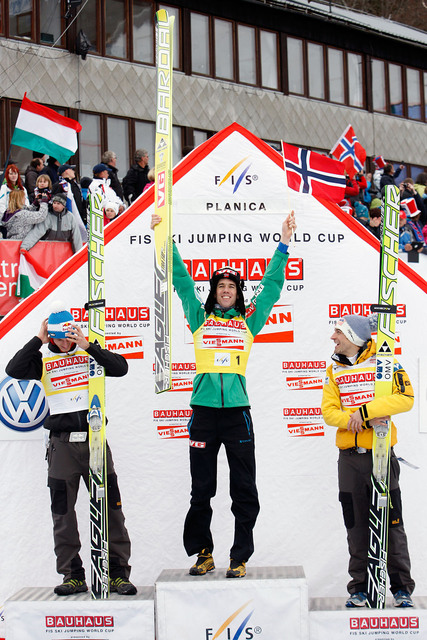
point(50, 203)
point(363, 198)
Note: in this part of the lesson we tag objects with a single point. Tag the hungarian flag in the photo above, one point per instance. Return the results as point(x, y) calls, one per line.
point(31, 275)
point(350, 152)
point(42, 129)
point(313, 173)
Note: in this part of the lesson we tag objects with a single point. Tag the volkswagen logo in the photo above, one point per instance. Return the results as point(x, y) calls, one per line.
point(23, 404)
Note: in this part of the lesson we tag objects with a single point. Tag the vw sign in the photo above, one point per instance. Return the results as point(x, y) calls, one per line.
point(23, 404)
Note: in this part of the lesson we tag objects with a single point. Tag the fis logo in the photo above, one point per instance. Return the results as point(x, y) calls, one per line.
point(237, 175)
point(243, 632)
point(23, 404)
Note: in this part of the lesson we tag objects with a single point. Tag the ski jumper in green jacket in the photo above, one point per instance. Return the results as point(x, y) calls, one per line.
point(221, 412)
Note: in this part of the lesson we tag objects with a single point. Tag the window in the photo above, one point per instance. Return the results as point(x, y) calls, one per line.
point(425, 95)
point(50, 21)
point(395, 84)
point(143, 34)
point(118, 141)
point(378, 86)
point(246, 53)
point(355, 80)
point(316, 83)
point(415, 170)
point(87, 21)
point(199, 137)
point(224, 52)
point(115, 29)
point(176, 145)
point(269, 70)
point(200, 44)
point(89, 143)
point(21, 157)
point(145, 136)
point(173, 11)
point(295, 66)
point(336, 75)
point(413, 93)
point(21, 19)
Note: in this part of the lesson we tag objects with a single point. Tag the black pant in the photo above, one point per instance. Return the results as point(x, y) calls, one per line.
point(354, 476)
point(208, 429)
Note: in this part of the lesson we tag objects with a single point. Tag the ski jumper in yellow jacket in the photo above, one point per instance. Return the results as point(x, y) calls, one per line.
point(349, 387)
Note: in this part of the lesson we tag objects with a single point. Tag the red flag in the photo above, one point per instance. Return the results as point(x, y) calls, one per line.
point(350, 152)
point(313, 173)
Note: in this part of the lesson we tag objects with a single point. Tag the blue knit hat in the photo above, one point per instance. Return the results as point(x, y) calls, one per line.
point(58, 323)
point(356, 328)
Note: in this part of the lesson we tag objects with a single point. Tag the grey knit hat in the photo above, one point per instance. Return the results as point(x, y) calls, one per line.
point(356, 328)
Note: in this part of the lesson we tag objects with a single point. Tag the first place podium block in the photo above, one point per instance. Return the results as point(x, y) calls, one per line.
point(268, 604)
point(37, 613)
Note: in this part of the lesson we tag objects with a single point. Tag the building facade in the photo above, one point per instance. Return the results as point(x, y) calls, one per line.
point(298, 70)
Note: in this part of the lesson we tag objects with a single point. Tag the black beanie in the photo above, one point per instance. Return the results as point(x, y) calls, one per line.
point(232, 274)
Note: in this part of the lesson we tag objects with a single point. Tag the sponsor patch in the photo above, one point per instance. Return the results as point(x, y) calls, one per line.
point(197, 445)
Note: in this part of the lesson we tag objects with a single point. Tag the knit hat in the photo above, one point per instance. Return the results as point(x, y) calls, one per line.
point(59, 197)
point(356, 328)
point(110, 204)
point(232, 274)
point(375, 203)
point(59, 321)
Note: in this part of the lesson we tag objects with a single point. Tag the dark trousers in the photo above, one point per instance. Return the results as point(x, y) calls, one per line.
point(354, 477)
point(208, 429)
point(68, 461)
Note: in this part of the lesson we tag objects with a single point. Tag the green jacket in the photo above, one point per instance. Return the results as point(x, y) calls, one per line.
point(221, 390)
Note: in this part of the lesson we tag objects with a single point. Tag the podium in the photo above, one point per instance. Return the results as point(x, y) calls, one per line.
point(331, 620)
point(33, 614)
point(270, 603)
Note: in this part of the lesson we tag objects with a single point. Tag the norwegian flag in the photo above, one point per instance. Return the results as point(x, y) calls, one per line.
point(310, 172)
point(349, 151)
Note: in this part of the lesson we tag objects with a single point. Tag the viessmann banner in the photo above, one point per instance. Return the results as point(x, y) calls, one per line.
point(230, 199)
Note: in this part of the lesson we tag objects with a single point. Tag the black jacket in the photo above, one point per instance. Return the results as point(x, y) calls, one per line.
point(115, 182)
point(135, 181)
point(27, 364)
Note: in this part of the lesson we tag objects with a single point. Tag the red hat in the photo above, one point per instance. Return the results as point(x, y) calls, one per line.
point(379, 162)
point(410, 206)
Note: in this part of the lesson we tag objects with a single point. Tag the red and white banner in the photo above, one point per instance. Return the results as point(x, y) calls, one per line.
point(50, 255)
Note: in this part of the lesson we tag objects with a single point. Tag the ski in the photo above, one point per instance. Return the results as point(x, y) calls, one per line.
point(386, 309)
point(96, 415)
point(163, 203)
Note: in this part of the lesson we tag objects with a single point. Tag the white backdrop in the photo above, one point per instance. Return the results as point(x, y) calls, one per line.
point(334, 266)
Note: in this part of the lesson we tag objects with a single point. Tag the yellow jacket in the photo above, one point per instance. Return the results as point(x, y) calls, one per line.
point(350, 387)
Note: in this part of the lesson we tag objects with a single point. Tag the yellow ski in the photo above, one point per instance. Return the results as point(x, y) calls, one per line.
point(386, 309)
point(96, 415)
point(163, 203)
